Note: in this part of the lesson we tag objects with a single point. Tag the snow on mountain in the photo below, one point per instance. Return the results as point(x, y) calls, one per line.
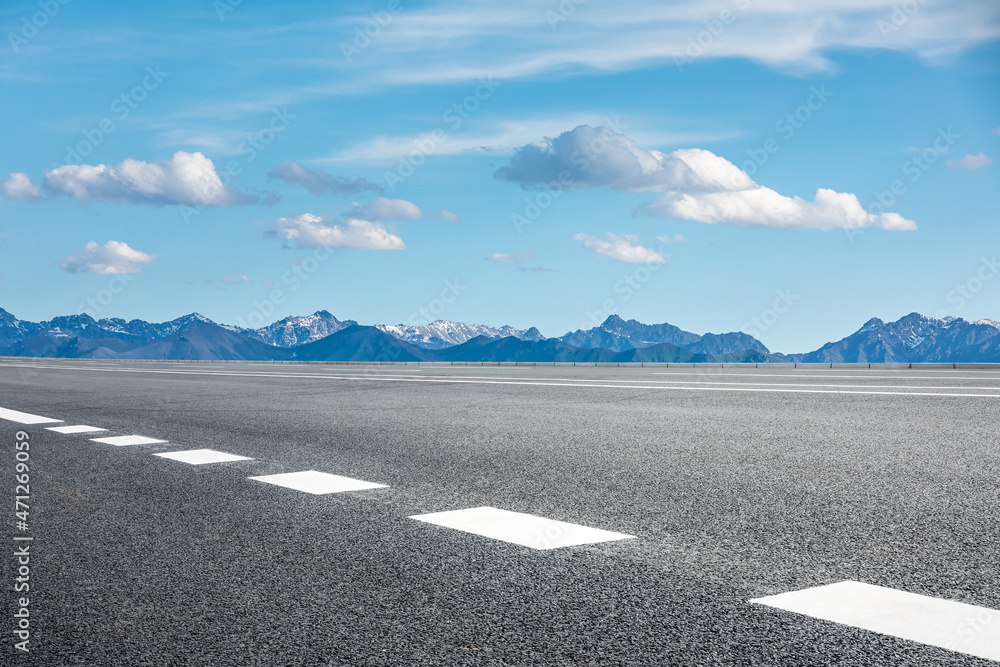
point(182, 323)
point(14, 329)
point(914, 338)
point(298, 330)
point(619, 335)
point(140, 331)
point(444, 333)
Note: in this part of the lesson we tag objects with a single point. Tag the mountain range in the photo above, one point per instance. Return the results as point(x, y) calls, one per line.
point(914, 339)
point(323, 337)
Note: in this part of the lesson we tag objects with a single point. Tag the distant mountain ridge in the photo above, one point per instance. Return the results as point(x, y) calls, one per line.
point(323, 337)
point(619, 335)
point(208, 342)
point(67, 326)
point(914, 338)
point(444, 333)
point(292, 331)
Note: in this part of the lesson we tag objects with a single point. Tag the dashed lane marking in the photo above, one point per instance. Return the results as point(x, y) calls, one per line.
point(79, 428)
point(525, 529)
point(954, 626)
point(197, 457)
point(125, 440)
point(25, 418)
point(317, 483)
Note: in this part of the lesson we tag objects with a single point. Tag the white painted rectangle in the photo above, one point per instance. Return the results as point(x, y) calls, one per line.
point(525, 529)
point(954, 626)
point(197, 457)
point(125, 440)
point(79, 428)
point(317, 483)
point(25, 418)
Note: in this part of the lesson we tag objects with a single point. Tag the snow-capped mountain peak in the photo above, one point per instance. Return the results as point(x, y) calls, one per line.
point(445, 333)
point(299, 330)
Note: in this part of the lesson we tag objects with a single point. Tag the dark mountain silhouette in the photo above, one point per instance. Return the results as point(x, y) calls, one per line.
point(138, 332)
point(618, 335)
point(661, 353)
point(482, 348)
point(13, 329)
point(207, 342)
point(358, 343)
point(914, 338)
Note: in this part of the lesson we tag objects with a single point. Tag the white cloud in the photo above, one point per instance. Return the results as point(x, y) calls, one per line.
point(184, 179)
point(996, 130)
point(677, 238)
point(441, 44)
point(970, 162)
point(318, 181)
point(18, 187)
point(623, 248)
point(505, 258)
point(234, 278)
point(766, 208)
point(517, 260)
point(483, 135)
point(313, 231)
point(596, 157)
point(696, 184)
point(447, 43)
point(112, 257)
point(383, 208)
point(496, 138)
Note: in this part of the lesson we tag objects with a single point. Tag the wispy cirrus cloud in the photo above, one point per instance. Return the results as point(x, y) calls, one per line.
point(971, 162)
point(510, 258)
point(491, 136)
point(383, 208)
point(320, 182)
point(519, 260)
point(232, 278)
point(442, 43)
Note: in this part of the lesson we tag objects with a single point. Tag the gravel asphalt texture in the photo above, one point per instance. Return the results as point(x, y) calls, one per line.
point(732, 495)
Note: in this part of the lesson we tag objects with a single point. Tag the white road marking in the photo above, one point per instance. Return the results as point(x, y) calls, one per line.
point(25, 418)
point(307, 367)
point(750, 372)
point(197, 457)
point(75, 429)
point(317, 483)
point(125, 440)
point(525, 529)
point(705, 375)
point(950, 625)
point(591, 384)
point(706, 382)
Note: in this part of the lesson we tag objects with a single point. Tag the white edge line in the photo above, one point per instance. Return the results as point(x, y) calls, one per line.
point(526, 383)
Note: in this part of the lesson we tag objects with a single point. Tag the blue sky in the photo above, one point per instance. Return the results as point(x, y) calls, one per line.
point(720, 166)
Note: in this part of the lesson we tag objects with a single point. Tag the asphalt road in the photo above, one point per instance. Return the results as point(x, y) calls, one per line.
point(736, 483)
